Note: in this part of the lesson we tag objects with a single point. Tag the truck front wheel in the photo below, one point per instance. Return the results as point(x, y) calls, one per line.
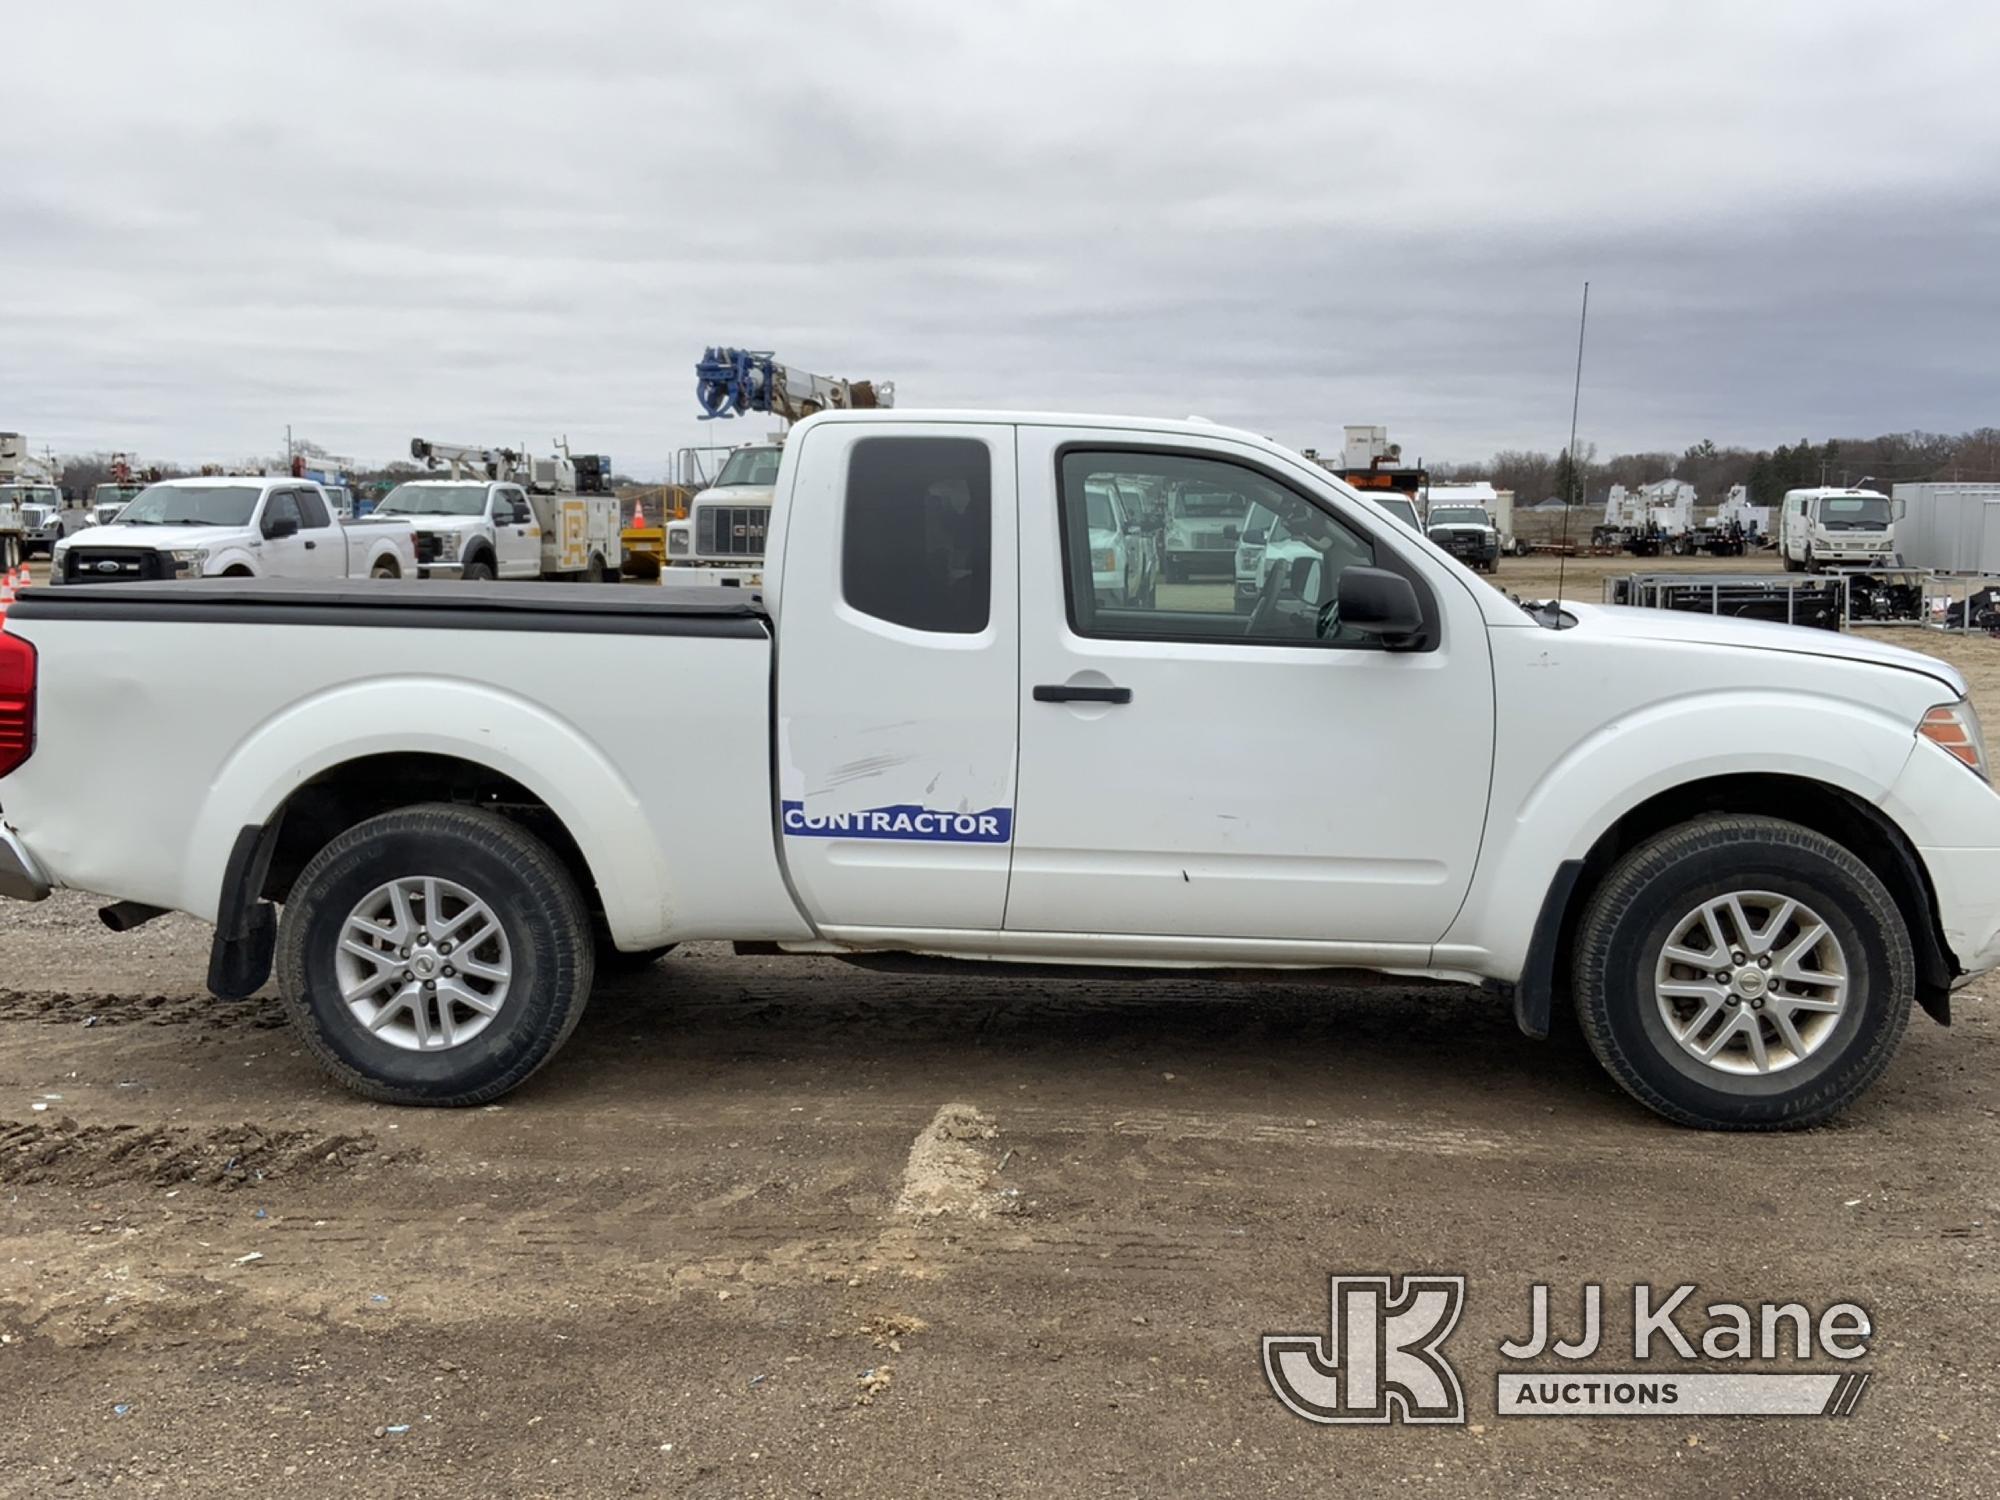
point(479, 570)
point(1743, 973)
point(434, 955)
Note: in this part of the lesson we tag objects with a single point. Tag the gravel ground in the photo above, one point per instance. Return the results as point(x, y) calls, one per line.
point(783, 1227)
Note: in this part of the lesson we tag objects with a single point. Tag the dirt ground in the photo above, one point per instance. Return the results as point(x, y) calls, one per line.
point(782, 1227)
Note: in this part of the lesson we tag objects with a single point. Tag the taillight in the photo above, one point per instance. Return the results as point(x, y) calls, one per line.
point(17, 701)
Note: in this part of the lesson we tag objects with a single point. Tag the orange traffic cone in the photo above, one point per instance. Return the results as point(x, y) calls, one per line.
point(25, 579)
point(638, 516)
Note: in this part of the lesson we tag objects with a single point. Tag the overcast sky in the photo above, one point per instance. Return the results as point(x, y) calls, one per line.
point(494, 222)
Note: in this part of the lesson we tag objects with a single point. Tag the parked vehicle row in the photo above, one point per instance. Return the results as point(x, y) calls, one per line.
point(1744, 851)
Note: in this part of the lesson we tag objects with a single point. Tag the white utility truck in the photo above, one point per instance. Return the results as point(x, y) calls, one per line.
point(1838, 528)
point(29, 493)
point(233, 526)
point(1744, 851)
point(502, 514)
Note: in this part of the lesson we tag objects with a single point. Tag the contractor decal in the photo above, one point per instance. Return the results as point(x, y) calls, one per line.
point(903, 821)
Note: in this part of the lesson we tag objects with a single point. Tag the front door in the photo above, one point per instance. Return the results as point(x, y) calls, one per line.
point(898, 669)
point(1188, 770)
point(517, 537)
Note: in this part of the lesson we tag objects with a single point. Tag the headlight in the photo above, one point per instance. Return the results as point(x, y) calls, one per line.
point(1954, 729)
point(1104, 562)
point(448, 545)
point(677, 540)
point(189, 559)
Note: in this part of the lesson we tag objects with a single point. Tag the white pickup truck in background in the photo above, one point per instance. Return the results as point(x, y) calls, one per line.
point(227, 526)
point(1742, 851)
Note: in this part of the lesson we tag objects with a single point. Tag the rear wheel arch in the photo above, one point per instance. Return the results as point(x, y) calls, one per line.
point(1848, 820)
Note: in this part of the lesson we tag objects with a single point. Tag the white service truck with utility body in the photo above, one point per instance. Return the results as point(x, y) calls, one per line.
point(1743, 851)
point(502, 514)
point(233, 526)
point(1838, 528)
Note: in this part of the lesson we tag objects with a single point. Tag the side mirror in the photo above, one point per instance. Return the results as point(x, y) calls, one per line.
point(1254, 537)
point(276, 529)
point(1898, 509)
point(1131, 528)
point(1380, 603)
point(523, 515)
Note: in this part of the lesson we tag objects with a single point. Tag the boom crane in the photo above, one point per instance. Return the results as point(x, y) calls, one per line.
point(736, 382)
point(470, 463)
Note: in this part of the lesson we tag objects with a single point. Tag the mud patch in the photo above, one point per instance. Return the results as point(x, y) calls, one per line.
point(72, 1009)
point(951, 1169)
point(64, 1152)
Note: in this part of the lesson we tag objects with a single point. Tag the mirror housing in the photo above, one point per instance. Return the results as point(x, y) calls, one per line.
point(523, 513)
point(1382, 604)
point(277, 530)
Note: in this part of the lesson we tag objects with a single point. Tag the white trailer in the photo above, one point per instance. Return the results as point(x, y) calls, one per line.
point(1952, 528)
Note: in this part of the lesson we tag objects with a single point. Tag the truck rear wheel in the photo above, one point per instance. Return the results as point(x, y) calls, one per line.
point(1743, 973)
point(434, 955)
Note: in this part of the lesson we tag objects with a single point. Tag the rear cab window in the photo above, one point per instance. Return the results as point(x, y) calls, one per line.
point(917, 533)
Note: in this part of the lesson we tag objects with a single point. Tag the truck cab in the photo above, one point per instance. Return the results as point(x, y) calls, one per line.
point(107, 500)
point(1825, 527)
point(721, 539)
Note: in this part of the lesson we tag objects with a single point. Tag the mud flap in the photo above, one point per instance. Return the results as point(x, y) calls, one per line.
point(246, 929)
point(238, 966)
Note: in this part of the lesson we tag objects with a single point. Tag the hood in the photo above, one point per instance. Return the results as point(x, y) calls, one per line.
point(1459, 526)
point(427, 523)
point(160, 538)
point(736, 494)
point(1686, 627)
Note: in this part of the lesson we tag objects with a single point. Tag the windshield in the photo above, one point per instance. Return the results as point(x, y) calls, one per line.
point(757, 466)
point(218, 504)
point(1854, 513)
point(1401, 509)
point(1209, 503)
point(114, 494)
point(434, 500)
point(1458, 515)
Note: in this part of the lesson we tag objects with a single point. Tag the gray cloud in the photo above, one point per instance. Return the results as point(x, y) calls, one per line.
point(501, 221)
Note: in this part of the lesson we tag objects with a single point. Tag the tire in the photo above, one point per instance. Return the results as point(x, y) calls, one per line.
point(544, 943)
point(1792, 564)
point(1641, 907)
point(595, 572)
point(479, 570)
point(1175, 572)
point(385, 569)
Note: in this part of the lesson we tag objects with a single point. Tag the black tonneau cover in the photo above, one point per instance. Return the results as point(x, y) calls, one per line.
point(664, 609)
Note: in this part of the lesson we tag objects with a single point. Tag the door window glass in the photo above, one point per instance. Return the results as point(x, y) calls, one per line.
point(282, 508)
point(1228, 554)
point(917, 535)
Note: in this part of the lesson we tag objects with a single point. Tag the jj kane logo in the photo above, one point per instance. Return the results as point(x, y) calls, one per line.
point(1383, 1361)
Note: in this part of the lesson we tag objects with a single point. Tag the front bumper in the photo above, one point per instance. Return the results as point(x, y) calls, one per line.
point(21, 879)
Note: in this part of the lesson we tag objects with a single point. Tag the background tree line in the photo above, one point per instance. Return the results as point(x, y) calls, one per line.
point(1894, 458)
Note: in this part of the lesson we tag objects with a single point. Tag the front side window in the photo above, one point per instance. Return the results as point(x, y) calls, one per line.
point(282, 507)
point(312, 510)
point(916, 544)
point(1241, 558)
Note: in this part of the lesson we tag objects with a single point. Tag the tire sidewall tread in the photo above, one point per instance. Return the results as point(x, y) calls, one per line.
point(1613, 967)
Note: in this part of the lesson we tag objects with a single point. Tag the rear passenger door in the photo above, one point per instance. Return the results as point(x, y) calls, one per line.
point(898, 681)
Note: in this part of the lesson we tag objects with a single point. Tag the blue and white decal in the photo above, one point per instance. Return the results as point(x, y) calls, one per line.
point(905, 820)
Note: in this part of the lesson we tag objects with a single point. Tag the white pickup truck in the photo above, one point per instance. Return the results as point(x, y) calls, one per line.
point(226, 526)
point(1742, 851)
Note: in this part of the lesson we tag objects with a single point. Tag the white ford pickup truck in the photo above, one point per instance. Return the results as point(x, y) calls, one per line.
point(231, 526)
point(1743, 851)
